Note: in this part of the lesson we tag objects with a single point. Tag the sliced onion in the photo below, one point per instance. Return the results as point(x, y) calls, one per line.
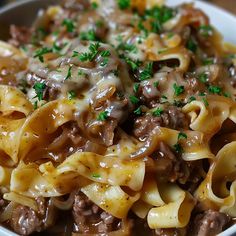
point(64, 205)
point(7, 212)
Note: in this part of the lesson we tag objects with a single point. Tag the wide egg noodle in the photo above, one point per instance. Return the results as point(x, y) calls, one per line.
point(39, 127)
point(209, 119)
point(177, 209)
point(214, 188)
point(107, 170)
point(14, 108)
point(112, 199)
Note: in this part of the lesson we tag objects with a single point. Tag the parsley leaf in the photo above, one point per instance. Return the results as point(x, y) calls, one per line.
point(147, 72)
point(93, 52)
point(133, 64)
point(39, 89)
point(138, 111)
point(68, 76)
point(41, 52)
point(208, 61)
point(215, 89)
point(96, 175)
point(69, 24)
point(205, 102)
point(191, 45)
point(192, 98)
point(158, 112)
point(206, 30)
point(182, 136)
point(178, 148)
point(89, 35)
point(203, 77)
point(102, 116)
point(133, 99)
point(123, 4)
point(178, 89)
point(71, 94)
point(94, 5)
point(136, 87)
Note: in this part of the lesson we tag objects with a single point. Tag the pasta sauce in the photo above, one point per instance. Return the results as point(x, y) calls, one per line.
point(117, 117)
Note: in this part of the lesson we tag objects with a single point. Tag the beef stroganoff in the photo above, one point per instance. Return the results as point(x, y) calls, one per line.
point(117, 118)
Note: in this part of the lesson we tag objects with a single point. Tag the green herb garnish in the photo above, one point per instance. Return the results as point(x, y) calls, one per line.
point(69, 24)
point(192, 45)
point(123, 4)
point(136, 87)
point(41, 52)
point(134, 99)
point(147, 72)
point(206, 30)
point(182, 136)
point(71, 94)
point(215, 89)
point(68, 76)
point(138, 111)
point(158, 112)
point(103, 116)
point(39, 89)
point(203, 77)
point(89, 35)
point(178, 89)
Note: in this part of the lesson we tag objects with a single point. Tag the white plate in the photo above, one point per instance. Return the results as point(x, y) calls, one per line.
point(226, 25)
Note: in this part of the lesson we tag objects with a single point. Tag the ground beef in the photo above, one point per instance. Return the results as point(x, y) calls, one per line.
point(209, 223)
point(20, 35)
point(168, 166)
point(172, 117)
point(89, 218)
point(26, 221)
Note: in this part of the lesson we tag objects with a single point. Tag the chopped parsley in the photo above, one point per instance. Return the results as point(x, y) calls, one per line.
point(102, 116)
point(41, 52)
point(190, 99)
point(206, 30)
point(205, 102)
point(80, 72)
point(182, 136)
point(105, 54)
point(158, 112)
point(35, 105)
point(39, 89)
point(156, 84)
point(68, 76)
point(96, 175)
point(208, 61)
point(203, 77)
point(123, 4)
point(69, 24)
point(136, 87)
point(226, 94)
point(178, 148)
point(89, 35)
point(147, 72)
point(178, 89)
point(134, 99)
point(75, 54)
point(94, 5)
point(215, 89)
point(93, 52)
point(133, 64)
point(127, 47)
point(71, 94)
point(192, 45)
point(138, 111)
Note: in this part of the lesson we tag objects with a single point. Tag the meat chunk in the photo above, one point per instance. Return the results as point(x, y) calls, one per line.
point(209, 223)
point(26, 221)
point(19, 35)
point(169, 167)
point(89, 218)
point(172, 118)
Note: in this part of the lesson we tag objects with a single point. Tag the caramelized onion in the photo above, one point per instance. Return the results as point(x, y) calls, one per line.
point(64, 205)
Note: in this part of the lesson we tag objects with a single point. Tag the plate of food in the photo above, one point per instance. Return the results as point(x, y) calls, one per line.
point(117, 118)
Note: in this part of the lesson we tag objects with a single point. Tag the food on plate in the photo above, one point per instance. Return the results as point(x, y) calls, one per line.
point(117, 117)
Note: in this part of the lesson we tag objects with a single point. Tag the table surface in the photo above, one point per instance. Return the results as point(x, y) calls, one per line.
point(229, 5)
